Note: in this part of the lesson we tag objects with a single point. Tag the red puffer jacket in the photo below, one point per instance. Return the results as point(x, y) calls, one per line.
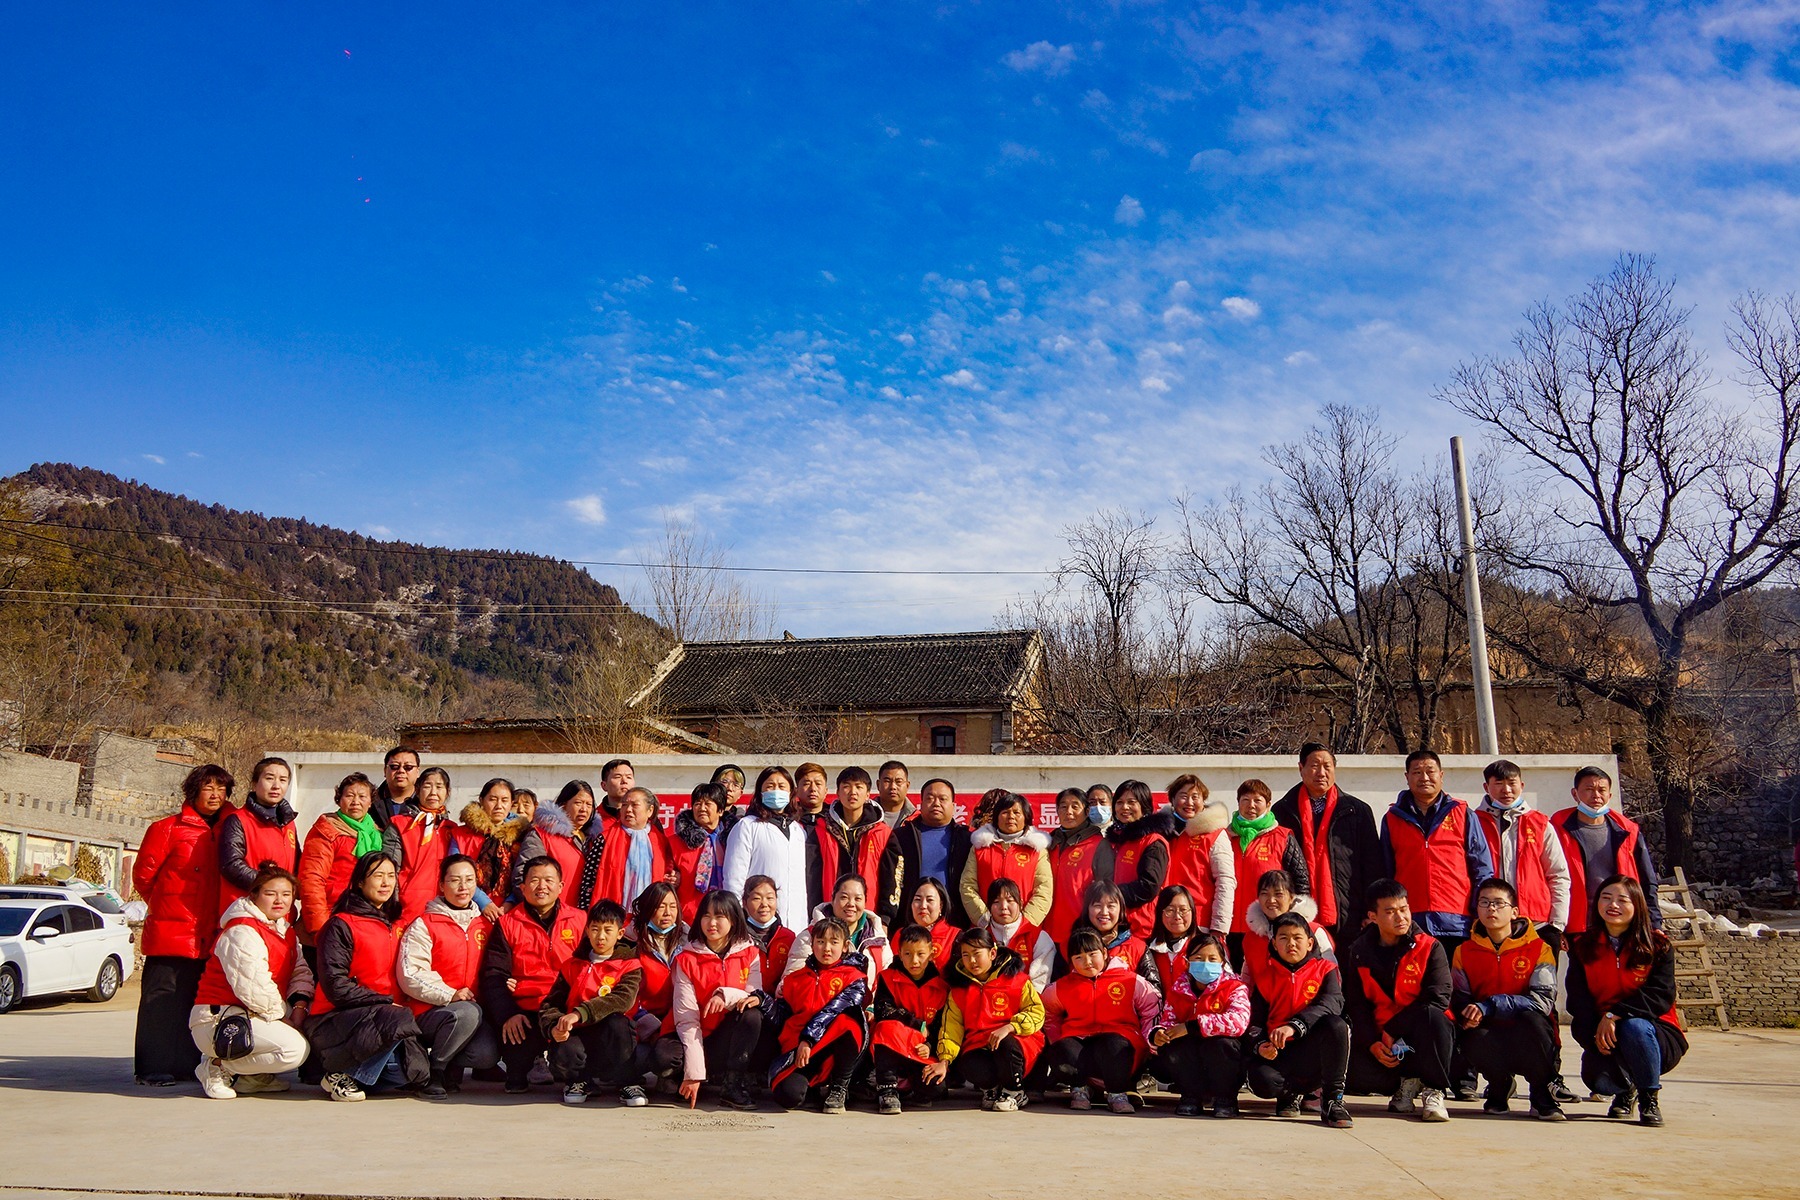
point(177, 874)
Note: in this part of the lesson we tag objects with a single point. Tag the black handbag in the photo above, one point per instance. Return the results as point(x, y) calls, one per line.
point(232, 1038)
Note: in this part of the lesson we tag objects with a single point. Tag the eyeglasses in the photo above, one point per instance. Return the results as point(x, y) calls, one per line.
point(402, 768)
point(1493, 902)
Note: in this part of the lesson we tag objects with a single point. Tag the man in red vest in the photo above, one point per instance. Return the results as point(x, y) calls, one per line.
point(1397, 999)
point(1598, 841)
point(1435, 850)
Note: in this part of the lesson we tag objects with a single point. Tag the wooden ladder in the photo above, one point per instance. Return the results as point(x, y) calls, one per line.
point(1693, 941)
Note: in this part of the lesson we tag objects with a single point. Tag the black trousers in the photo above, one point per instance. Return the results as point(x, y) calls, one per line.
point(1077, 1061)
point(1203, 1066)
point(832, 1065)
point(1522, 1045)
point(731, 1046)
point(598, 1053)
point(163, 1045)
point(1433, 1040)
point(987, 1070)
point(1316, 1060)
point(518, 1058)
point(894, 1069)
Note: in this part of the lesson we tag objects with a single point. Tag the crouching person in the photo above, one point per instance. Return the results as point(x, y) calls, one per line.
point(719, 1002)
point(1199, 1034)
point(824, 1028)
point(440, 957)
point(1397, 995)
point(521, 964)
point(909, 1001)
point(1503, 992)
point(360, 1032)
point(586, 1017)
point(1297, 1028)
point(1097, 1021)
point(993, 1024)
point(253, 994)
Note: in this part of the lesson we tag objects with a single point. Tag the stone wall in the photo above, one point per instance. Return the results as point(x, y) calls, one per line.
point(1743, 838)
point(1759, 977)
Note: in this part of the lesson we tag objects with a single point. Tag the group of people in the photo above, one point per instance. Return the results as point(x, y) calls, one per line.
point(811, 942)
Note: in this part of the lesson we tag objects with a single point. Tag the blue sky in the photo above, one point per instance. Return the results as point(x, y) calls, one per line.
point(883, 285)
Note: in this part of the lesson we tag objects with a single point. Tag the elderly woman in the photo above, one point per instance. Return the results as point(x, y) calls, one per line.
point(698, 847)
point(177, 874)
point(1008, 848)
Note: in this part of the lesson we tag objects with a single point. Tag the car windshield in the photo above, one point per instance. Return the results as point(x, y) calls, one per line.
point(103, 902)
point(12, 921)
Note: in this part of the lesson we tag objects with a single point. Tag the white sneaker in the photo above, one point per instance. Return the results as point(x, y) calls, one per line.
point(1404, 1095)
point(1432, 1101)
point(215, 1079)
point(576, 1093)
point(341, 1086)
point(1007, 1102)
point(250, 1085)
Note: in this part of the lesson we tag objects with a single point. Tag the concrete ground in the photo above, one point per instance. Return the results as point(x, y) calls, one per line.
point(75, 1126)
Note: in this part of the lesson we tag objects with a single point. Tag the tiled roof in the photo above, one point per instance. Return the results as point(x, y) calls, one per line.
point(857, 674)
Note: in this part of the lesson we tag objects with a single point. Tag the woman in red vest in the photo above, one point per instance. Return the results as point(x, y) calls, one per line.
point(1097, 1025)
point(520, 962)
point(573, 832)
point(719, 1002)
point(1139, 837)
point(489, 832)
point(1205, 1013)
point(993, 1023)
point(177, 874)
point(909, 1000)
point(360, 1032)
point(762, 915)
point(697, 851)
point(1200, 854)
point(1622, 1001)
point(930, 911)
point(1008, 848)
point(1297, 1036)
point(1165, 956)
point(256, 972)
point(585, 1017)
point(440, 958)
point(1104, 913)
point(262, 831)
point(1006, 921)
point(1258, 845)
point(656, 935)
point(823, 1025)
point(636, 853)
point(427, 836)
point(1079, 854)
point(334, 844)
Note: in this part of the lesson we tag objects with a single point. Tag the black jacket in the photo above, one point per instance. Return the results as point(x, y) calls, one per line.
point(1356, 856)
point(899, 877)
point(234, 864)
point(1383, 964)
point(849, 839)
point(337, 946)
point(1652, 1001)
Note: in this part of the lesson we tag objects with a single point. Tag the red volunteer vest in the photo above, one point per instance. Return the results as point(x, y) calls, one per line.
point(868, 858)
point(1006, 860)
point(1072, 869)
point(943, 943)
point(923, 1000)
point(283, 950)
point(423, 858)
point(988, 1006)
point(1190, 865)
point(1408, 977)
point(609, 880)
point(1625, 865)
point(656, 993)
point(708, 972)
point(807, 991)
point(774, 959)
point(376, 944)
point(1213, 1001)
point(568, 856)
point(1265, 854)
point(264, 841)
point(1024, 942)
point(1503, 970)
point(1128, 858)
point(1102, 1004)
point(590, 980)
point(1528, 868)
point(1610, 981)
point(1287, 992)
point(538, 954)
point(455, 953)
point(1170, 966)
point(1434, 871)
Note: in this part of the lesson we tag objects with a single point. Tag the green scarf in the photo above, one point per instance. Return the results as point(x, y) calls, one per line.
point(1246, 831)
point(368, 833)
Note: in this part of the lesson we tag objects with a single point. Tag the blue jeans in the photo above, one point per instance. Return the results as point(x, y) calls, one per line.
point(1636, 1060)
point(383, 1068)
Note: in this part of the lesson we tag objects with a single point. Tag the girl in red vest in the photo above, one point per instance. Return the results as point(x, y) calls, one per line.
point(177, 874)
point(360, 1032)
point(437, 969)
point(489, 833)
point(256, 971)
point(1622, 1001)
point(1139, 837)
point(1097, 1025)
point(719, 1002)
point(333, 846)
point(262, 831)
point(1297, 1037)
point(930, 911)
point(1200, 855)
point(993, 1024)
point(520, 962)
point(1006, 921)
point(1258, 845)
point(573, 832)
point(585, 1017)
point(1008, 848)
point(823, 1025)
point(656, 935)
point(909, 1000)
point(1104, 913)
point(1165, 956)
point(1079, 854)
point(427, 837)
point(1205, 1014)
point(762, 913)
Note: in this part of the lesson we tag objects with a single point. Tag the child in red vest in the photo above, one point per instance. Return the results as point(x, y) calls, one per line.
point(1503, 992)
point(256, 971)
point(1297, 1032)
point(823, 1025)
point(1198, 1034)
point(1006, 921)
point(1097, 1025)
point(993, 1026)
point(584, 1018)
point(522, 961)
point(909, 1000)
point(440, 956)
point(719, 1002)
point(1397, 996)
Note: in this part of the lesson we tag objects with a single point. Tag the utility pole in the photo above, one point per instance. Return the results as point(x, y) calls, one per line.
point(1478, 658)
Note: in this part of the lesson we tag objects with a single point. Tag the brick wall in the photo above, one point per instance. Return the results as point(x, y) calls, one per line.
point(1758, 976)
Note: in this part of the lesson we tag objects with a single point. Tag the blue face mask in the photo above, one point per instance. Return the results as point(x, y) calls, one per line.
point(756, 924)
point(1205, 972)
point(1594, 813)
point(660, 930)
point(1099, 815)
point(775, 801)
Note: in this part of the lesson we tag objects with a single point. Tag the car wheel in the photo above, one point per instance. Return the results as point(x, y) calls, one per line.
point(106, 984)
point(9, 988)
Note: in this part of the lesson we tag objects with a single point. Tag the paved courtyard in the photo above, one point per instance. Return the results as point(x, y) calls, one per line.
point(76, 1126)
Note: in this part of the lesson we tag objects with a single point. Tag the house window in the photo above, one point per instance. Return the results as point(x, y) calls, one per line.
point(943, 739)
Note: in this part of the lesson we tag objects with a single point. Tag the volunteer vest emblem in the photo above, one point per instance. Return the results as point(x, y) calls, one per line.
point(1311, 989)
point(996, 1004)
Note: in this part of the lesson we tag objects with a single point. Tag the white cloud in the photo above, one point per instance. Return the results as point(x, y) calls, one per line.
point(1041, 56)
point(1129, 212)
point(588, 509)
point(1154, 383)
point(827, 276)
point(158, 459)
point(1301, 358)
point(195, 454)
point(675, 285)
point(962, 378)
point(377, 531)
point(890, 392)
point(1241, 307)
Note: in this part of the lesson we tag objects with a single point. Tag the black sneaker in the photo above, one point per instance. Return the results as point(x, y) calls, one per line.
point(887, 1101)
point(434, 1088)
point(1545, 1108)
point(837, 1098)
point(1649, 1111)
point(1620, 1108)
point(1225, 1108)
point(453, 1079)
point(1333, 1114)
point(735, 1095)
point(1287, 1105)
point(1495, 1104)
point(1561, 1093)
point(632, 1096)
point(1462, 1089)
point(1187, 1106)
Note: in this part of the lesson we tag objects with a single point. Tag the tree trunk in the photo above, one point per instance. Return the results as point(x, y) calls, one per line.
point(1675, 797)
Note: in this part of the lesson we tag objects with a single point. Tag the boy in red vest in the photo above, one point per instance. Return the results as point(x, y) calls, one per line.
point(1600, 841)
point(848, 839)
point(1503, 992)
point(1397, 998)
point(909, 999)
point(1297, 1036)
point(584, 1016)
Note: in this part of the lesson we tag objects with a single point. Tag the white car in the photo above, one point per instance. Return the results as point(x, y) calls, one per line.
point(102, 900)
point(52, 945)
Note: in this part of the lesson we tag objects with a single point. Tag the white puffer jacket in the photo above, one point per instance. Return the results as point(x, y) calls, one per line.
point(244, 957)
point(758, 847)
point(412, 969)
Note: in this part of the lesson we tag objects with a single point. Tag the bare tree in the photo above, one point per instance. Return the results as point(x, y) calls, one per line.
point(61, 682)
point(1340, 567)
point(693, 595)
point(1645, 502)
point(590, 698)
